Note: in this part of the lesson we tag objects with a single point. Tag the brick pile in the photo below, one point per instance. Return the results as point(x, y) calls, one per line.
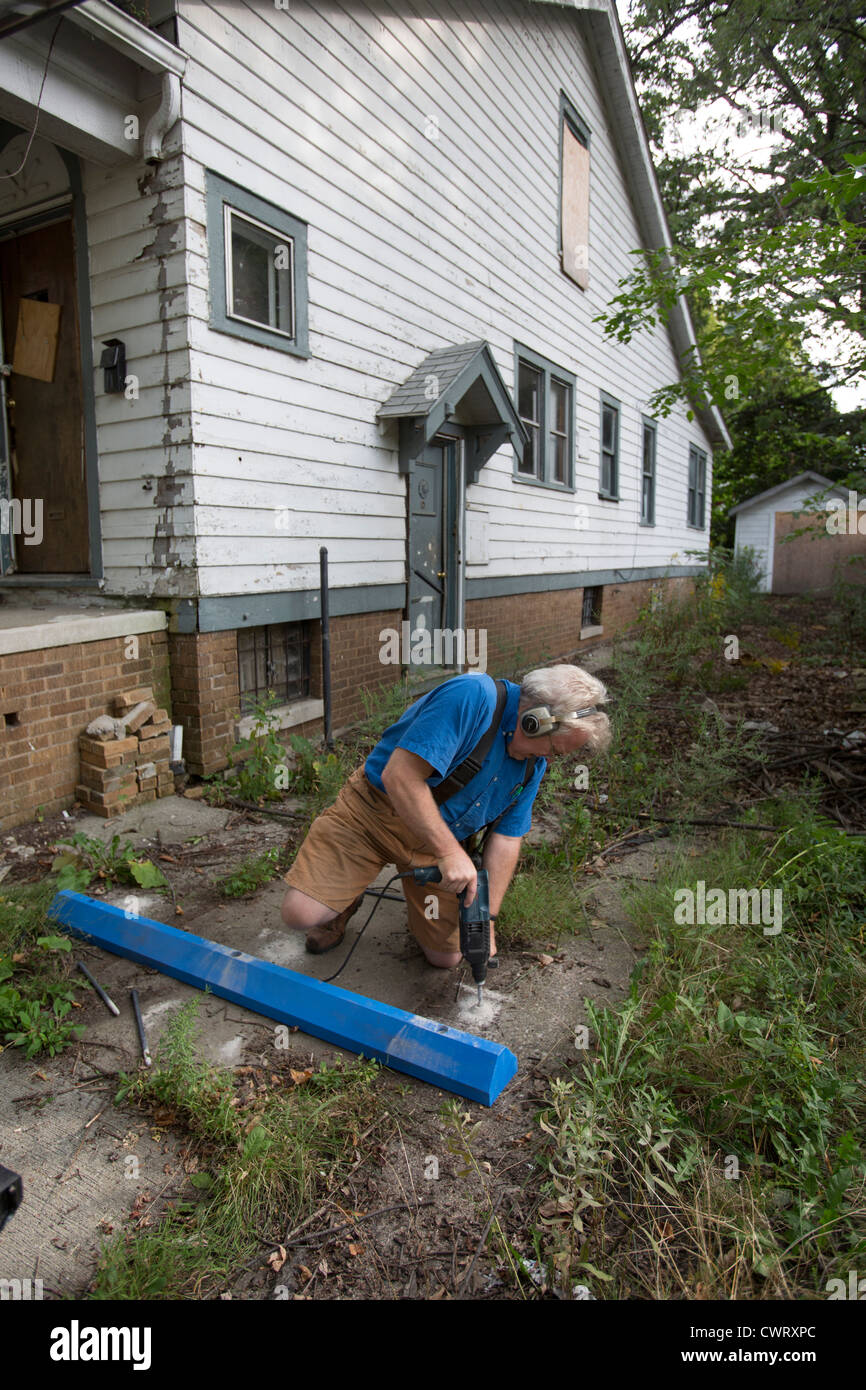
point(125, 760)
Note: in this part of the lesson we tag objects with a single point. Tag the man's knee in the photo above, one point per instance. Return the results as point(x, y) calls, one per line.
point(446, 960)
point(302, 912)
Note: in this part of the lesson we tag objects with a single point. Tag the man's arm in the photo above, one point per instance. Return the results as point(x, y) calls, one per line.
point(501, 854)
point(404, 778)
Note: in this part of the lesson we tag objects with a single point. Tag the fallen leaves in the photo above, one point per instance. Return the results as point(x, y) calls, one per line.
point(277, 1259)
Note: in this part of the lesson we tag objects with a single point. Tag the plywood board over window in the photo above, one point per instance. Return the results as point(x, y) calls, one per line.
point(575, 207)
point(36, 339)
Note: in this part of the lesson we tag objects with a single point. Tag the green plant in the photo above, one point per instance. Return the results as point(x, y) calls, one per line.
point(260, 758)
point(254, 872)
point(737, 1055)
point(36, 993)
point(83, 859)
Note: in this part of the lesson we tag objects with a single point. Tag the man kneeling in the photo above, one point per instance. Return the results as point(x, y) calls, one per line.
point(417, 801)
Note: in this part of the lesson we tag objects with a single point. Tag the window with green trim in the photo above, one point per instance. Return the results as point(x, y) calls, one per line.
point(648, 474)
point(608, 484)
point(697, 486)
point(545, 403)
point(258, 268)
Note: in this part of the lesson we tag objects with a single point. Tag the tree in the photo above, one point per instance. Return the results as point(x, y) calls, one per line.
point(770, 252)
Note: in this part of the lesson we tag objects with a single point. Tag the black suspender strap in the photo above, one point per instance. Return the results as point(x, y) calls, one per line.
point(471, 766)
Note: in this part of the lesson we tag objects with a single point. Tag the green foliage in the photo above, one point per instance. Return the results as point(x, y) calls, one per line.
point(767, 226)
point(85, 859)
point(724, 1095)
point(254, 872)
point(260, 758)
point(264, 1162)
point(37, 994)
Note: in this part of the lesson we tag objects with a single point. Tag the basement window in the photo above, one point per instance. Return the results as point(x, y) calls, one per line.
point(258, 269)
point(273, 659)
point(590, 615)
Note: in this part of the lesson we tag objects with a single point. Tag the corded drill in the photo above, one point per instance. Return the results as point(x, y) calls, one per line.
point(474, 923)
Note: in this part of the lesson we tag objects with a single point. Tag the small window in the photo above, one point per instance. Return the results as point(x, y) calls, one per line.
point(590, 615)
point(648, 475)
point(545, 404)
point(609, 471)
point(573, 193)
point(697, 486)
point(274, 659)
point(258, 269)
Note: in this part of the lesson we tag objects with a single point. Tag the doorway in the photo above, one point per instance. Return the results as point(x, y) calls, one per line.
point(435, 551)
point(42, 443)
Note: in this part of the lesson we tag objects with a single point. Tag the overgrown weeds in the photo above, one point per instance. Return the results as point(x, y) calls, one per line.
point(708, 1145)
point(260, 1163)
point(37, 991)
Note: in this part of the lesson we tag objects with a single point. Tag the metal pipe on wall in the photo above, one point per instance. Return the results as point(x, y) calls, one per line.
point(326, 642)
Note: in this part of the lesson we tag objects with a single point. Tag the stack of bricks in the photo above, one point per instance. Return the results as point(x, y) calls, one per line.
point(126, 761)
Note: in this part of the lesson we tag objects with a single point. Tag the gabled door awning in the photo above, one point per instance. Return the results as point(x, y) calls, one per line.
point(456, 385)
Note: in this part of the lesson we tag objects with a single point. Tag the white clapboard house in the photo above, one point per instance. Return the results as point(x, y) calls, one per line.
point(285, 274)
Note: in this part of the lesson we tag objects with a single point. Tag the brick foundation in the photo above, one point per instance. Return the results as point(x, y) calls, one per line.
point(47, 698)
point(56, 693)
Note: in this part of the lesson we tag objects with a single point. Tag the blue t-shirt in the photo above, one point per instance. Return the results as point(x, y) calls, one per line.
point(443, 727)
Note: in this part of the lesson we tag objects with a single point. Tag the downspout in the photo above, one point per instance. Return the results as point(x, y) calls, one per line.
point(162, 119)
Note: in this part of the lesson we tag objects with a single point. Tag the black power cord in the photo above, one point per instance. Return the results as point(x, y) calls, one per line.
point(378, 896)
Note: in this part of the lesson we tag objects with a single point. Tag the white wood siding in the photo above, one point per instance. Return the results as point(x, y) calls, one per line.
point(414, 243)
point(138, 273)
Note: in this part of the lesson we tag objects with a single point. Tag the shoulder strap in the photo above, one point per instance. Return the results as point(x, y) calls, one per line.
point(471, 766)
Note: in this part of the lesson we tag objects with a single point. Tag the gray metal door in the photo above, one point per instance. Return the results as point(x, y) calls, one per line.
point(433, 538)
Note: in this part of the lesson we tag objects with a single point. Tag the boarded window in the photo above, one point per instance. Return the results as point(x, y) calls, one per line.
point(575, 205)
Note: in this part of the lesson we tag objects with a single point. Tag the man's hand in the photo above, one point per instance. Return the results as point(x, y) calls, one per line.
point(458, 872)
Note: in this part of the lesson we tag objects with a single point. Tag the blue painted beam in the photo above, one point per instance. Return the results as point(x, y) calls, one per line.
point(459, 1062)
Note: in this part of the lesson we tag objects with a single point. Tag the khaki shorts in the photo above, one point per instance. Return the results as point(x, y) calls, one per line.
point(350, 843)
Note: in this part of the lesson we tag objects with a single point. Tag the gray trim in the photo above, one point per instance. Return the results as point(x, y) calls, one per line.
point(257, 610)
point(221, 191)
point(589, 579)
point(85, 334)
point(8, 130)
point(548, 369)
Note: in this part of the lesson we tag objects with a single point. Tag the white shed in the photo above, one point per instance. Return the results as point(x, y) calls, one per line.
point(756, 517)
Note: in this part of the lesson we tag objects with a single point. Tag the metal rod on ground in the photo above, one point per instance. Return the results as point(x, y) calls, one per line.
point(326, 642)
point(109, 1004)
point(139, 1023)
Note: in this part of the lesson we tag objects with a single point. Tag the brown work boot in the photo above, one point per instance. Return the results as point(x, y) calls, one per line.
point(325, 938)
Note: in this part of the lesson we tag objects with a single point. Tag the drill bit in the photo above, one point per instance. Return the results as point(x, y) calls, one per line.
point(480, 989)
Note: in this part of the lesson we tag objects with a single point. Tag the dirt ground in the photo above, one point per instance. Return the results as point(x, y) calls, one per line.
point(73, 1145)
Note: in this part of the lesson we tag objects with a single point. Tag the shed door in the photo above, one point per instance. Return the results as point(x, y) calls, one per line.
point(44, 398)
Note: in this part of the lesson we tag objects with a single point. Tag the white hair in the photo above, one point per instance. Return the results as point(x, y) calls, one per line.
point(566, 690)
